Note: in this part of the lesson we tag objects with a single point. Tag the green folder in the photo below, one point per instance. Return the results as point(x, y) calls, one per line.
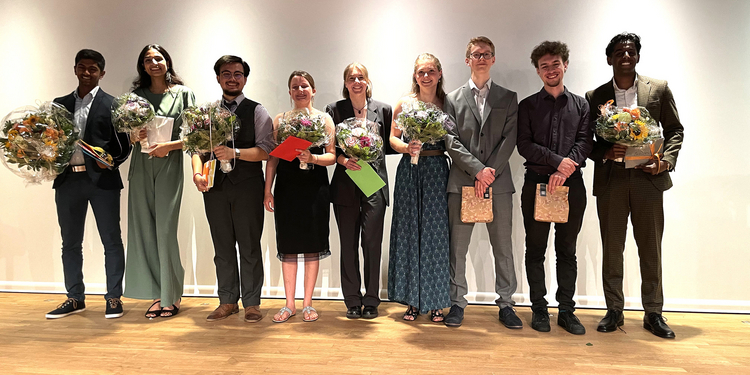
point(366, 178)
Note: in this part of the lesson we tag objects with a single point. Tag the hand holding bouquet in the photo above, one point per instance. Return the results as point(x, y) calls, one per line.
point(423, 122)
point(39, 142)
point(627, 127)
point(131, 113)
point(207, 126)
point(303, 125)
point(359, 139)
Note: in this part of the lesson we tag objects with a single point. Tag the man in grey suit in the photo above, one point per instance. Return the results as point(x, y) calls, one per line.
point(637, 192)
point(480, 146)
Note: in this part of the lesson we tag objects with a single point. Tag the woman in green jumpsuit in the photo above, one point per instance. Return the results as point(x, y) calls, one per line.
point(153, 267)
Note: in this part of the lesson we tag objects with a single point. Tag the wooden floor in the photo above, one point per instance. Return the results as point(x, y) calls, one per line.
point(87, 343)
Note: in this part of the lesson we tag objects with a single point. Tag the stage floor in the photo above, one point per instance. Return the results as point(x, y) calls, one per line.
point(86, 343)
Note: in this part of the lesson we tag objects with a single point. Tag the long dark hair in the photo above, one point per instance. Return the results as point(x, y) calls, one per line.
point(144, 80)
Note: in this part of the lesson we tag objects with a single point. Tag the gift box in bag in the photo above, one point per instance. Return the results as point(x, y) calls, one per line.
point(635, 156)
point(551, 208)
point(476, 209)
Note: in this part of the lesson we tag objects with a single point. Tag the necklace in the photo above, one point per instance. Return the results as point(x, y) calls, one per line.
point(359, 110)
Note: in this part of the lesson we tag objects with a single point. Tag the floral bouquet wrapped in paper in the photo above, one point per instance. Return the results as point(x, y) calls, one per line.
point(131, 113)
point(359, 139)
point(303, 125)
point(628, 127)
point(423, 122)
point(207, 126)
point(37, 143)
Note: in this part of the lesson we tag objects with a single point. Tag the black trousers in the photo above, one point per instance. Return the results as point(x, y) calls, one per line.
point(537, 234)
point(235, 216)
point(367, 218)
point(72, 198)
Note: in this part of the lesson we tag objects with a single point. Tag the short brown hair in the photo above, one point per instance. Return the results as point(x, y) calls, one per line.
point(348, 71)
point(303, 74)
point(549, 48)
point(476, 40)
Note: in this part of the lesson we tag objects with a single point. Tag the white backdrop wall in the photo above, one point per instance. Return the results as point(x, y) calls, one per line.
point(700, 47)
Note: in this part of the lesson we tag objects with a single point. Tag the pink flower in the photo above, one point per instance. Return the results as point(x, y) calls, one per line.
point(365, 142)
point(306, 123)
point(350, 141)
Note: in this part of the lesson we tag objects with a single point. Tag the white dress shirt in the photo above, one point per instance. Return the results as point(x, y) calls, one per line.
point(80, 116)
point(627, 98)
point(480, 96)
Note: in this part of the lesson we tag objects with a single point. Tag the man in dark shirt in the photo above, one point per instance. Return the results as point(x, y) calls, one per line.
point(555, 138)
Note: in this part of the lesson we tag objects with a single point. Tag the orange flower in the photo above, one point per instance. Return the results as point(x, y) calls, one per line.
point(8, 145)
point(51, 133)
point(635, 112)
point(20, 154)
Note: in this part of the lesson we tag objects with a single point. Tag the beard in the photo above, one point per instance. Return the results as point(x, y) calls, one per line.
point(232, 92)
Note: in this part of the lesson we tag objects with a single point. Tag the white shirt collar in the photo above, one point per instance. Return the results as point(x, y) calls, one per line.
point(484, 90)
point(92, 93)
point(632, 88)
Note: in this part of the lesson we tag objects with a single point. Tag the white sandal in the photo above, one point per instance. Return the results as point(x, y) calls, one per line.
point(281, 313)
point(308, 310)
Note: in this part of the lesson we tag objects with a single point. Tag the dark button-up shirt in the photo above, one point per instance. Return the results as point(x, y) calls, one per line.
point(550, 130)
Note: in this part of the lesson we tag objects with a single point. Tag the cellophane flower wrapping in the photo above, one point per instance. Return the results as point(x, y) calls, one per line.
point(422, 121)
point(303, 125)
point(131, 112)
point(625, 126)
point(38, 142)
point(360, 139)
point(207, 126)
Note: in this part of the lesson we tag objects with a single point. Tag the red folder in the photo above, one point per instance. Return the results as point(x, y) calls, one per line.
point(287, 150)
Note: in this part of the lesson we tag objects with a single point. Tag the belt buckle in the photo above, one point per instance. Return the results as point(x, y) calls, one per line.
point(78, 168)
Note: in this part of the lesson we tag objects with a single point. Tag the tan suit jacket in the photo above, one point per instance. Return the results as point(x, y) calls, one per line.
point(656, 97)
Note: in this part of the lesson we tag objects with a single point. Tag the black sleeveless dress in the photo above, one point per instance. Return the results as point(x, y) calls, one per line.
point(302, 210)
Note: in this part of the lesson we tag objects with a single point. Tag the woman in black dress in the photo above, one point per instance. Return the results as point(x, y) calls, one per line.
point(300, 202)
point(355, 212)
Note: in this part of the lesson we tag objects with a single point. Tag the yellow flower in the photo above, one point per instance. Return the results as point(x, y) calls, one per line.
point(639, 133)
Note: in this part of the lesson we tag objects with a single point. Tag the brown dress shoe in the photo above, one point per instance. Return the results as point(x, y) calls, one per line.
point(223, 311)
point(252, 314)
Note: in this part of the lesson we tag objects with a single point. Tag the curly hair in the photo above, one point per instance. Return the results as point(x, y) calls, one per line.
point(624, 38)
point(549, 48)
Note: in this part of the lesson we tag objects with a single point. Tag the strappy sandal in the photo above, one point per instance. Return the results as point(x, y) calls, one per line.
point(436, 316)
point(308, 310)
point(281, 313)
point(155, 313)
point(172, 312)
point(411, 312)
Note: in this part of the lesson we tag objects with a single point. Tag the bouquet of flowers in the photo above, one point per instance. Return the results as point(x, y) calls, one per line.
point(39, 142)
point(359, 139)
point(423, 122)
point(207, 126)
point(303, 125)
point(131, 113)
point(628, 127)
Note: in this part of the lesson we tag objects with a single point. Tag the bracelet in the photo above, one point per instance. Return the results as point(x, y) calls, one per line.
point(316, 159)
point(197, 173)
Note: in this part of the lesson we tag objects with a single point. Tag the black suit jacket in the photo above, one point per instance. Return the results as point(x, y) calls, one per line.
point(343, 189)
point(656, 97)
point(244, 138)
point(99, 132)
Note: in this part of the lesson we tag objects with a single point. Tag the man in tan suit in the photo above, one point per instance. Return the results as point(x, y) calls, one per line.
point(480, 146)
point(635, 192)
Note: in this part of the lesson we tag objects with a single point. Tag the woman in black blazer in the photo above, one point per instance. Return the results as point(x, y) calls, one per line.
point(356, 213)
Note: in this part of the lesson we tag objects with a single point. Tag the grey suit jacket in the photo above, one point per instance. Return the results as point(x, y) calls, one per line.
point(656, 97)
point(477, 143)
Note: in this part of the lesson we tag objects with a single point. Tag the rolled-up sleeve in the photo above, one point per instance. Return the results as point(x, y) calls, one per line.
point(264, 129)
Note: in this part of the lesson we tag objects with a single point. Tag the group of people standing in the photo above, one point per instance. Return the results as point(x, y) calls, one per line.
point(429, 242)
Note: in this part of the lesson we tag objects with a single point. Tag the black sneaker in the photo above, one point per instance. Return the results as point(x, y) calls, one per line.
point(70, 306)
point(509, 318)
point(455, 316)
point(570, 322)
point(540, 320)
point(114, 308)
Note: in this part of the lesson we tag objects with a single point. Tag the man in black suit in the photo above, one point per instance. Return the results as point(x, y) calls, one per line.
point(87, 181)
point(639, 192)
point(234, 205)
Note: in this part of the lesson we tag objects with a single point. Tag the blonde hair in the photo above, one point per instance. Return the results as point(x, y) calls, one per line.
point(348, 72)
point(440, 92)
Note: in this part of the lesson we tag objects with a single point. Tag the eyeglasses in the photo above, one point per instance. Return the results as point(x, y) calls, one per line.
point(486, 55)
point(236, 75)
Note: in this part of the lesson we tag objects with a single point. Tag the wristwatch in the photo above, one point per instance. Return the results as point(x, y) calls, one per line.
point(237, 153)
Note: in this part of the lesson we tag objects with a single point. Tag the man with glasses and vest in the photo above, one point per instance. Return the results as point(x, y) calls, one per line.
point(234, 205)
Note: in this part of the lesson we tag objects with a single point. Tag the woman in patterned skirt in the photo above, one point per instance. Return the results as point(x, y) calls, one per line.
point(418, 272)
